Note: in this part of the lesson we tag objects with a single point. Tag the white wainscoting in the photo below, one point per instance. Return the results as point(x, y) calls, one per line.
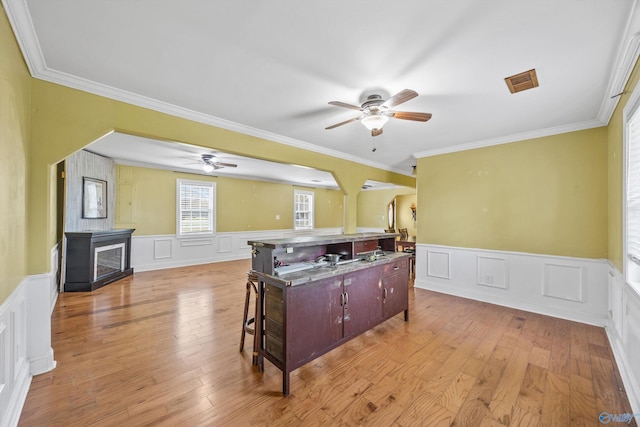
point(565, 287)
point(168, 251)
point(25, 340)
point(623, 330)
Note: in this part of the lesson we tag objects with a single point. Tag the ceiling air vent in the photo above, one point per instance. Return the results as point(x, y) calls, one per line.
point(522, 81)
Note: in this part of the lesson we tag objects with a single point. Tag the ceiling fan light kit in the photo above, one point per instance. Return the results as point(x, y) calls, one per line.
point(376, 111)
point(211, 163)
point(374, 121)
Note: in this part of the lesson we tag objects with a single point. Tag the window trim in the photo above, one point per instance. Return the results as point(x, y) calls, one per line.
point(630, 110)
point(208, 233)
point(312, 210)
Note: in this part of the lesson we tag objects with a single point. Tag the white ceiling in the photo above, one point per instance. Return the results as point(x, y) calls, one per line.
point(269, 68)
point(138, 151)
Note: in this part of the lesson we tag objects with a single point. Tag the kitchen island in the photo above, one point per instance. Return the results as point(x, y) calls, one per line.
point(309, 306)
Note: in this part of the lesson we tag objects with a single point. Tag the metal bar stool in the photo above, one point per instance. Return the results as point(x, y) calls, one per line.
point(252, 279)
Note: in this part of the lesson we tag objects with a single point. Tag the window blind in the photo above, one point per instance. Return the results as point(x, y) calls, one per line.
point(195, 207)
point(633, 187)
point(303, 209)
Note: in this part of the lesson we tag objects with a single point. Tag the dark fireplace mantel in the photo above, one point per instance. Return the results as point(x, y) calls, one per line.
point(96, 258)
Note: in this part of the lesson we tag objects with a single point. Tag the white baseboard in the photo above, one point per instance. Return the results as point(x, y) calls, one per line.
point(584, 290)
point(564, 287)
point(167, 251)
point(25, 341)
point(14, 377)
point(623, 331)
point(560, 313)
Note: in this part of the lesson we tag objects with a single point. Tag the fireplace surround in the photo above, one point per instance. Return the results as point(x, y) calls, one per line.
point(96, 258)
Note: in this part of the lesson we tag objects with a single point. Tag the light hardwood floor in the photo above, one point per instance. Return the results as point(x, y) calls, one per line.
point(161, 348)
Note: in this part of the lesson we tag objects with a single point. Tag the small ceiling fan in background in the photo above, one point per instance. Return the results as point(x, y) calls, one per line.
point(376, 111)
point(211, 162)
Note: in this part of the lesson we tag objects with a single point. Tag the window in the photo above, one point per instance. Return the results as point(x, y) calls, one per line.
point(302, 210)
point(632, 197)
point(195, 210)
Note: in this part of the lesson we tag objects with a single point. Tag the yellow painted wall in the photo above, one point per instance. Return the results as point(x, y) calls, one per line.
point(329, 208)
point(146, 201)
point(403, 213)
point(65, 120)
point(15, 106)
point(372, 206)
point(545, 195)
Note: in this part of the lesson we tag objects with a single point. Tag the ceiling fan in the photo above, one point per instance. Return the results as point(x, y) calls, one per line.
point(376, 111)
point(211, 162)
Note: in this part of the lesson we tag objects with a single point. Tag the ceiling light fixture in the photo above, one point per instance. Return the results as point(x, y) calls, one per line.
point(374, 121)
point(207, 168)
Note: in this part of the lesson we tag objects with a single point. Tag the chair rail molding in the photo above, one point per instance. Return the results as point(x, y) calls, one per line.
point(565, 287)
point(158, 252)
point(623, 331)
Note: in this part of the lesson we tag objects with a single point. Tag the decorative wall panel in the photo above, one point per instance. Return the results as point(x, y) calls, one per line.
point(438, 264)
point(563, 281)
point(161, 248)
point(225, 244)
point(493, 272)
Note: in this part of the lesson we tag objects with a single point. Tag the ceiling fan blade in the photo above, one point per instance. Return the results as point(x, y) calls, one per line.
point(405, 115)
point(228, 165)
point(345, 105)
point(344, 123)
point(399, 98)
point(376, 132)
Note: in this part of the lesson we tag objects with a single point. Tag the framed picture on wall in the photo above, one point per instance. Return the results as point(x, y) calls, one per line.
point(94, 198)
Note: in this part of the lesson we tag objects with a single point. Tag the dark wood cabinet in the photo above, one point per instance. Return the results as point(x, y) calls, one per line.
point(308, 313)
point(363, 301)
point(395, 289)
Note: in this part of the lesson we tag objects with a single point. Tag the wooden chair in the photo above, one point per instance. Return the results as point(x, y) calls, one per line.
point(252, 280)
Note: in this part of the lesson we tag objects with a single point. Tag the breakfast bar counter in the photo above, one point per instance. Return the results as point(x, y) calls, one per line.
point(320, 292)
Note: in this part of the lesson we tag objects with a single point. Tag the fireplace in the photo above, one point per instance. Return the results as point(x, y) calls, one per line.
point(96, 258)
point(108, 260)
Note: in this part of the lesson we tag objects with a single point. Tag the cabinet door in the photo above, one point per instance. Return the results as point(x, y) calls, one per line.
point(363, 301)
point(395, 294)
point(314, 319)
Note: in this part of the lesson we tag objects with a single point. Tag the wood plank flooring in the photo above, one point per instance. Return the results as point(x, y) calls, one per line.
point(161, 348)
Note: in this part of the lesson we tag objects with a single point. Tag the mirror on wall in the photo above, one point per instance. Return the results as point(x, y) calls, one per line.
point(391, 212)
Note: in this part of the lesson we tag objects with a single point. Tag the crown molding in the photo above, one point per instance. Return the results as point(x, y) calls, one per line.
point(185, 113)
point(626, 59)
point(22, 25)
point(556, 130)
point(20, 19)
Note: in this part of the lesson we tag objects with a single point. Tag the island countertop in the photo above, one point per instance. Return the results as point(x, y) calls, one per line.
point(302, 241)
point(324, 271)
